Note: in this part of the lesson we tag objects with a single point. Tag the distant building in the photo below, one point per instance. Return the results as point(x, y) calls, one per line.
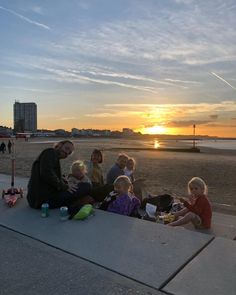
point(25, 117)
point(5, 131)
point(127, 131)
point(75, 132)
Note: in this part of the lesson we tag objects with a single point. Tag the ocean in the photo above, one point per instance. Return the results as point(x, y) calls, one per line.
point(217, 144)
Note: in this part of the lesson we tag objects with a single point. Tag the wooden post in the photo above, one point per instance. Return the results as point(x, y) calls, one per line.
point(194, 143)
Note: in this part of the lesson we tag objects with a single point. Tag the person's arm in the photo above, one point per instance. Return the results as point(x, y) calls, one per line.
point(48, 163)
point(110, 176)
point(181, 212)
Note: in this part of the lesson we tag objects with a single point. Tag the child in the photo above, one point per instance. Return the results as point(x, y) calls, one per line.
point(198, 209)
point(77, 178)
point(129, 169)
point(121, 201)
point(95, 173)
point(78, 174)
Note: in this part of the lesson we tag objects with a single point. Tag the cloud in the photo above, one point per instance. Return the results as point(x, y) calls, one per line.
point(27, 89)
point(216, 125)
point(26, 19)
point(115, 114)
point(37, 9)
point(186, 123)
point(214, 117)
point(67, 118)
point(217, 76)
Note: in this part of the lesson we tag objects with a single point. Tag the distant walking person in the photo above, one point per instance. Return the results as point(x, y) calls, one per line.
point(46, 184)
point(9, 146)
point(2, 147)
point(117, 169)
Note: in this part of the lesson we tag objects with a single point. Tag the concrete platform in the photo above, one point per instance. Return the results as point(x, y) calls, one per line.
point(137, 249)
point(212, 272)
point(110, 254)
point(31, 268)
point(223, 225)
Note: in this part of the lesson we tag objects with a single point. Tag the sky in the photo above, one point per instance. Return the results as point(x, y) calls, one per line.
point(155, 66)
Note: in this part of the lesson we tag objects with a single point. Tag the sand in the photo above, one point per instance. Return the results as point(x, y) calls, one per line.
point(163, 171)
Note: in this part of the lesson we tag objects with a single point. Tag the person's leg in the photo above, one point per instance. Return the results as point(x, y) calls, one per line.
point(67, 198)
point(188, 217)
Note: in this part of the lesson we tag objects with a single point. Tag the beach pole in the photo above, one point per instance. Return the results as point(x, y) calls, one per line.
point(194, 143)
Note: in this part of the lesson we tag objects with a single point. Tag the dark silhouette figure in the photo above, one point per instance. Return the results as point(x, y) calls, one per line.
point(2, 147)
point(9, 146)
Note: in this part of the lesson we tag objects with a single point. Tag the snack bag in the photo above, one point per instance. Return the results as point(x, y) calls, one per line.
point(84, 212)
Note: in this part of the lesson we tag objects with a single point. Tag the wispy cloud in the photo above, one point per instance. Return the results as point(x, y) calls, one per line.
point(114, 114)
point(27, 89)
point(186, 123)
point(226, 82)
point(67, 118)
point(26, 18)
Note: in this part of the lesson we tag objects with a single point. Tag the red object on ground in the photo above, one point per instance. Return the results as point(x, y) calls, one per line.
point(12, 195)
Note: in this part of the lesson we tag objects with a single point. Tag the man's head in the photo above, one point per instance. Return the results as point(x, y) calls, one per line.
point(122, 160)
point(64, 148)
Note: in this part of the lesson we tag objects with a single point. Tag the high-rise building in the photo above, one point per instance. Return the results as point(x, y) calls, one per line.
point(25, 117)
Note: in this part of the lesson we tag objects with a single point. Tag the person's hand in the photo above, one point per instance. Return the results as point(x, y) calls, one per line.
point(182, 200)
point(72, 188)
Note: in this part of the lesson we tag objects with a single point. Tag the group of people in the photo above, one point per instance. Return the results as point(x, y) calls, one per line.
point(3, 147)
point(85, 185)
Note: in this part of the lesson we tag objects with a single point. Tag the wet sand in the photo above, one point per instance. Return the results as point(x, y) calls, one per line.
point(163, 171)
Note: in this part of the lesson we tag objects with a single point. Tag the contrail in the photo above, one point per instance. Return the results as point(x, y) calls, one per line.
point(25, 18)
point(223, 80)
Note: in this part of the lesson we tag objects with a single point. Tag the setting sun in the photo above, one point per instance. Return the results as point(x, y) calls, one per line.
point(157, 129)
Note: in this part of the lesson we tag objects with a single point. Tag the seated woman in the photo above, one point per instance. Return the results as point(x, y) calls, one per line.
point(94, 170)
point(95, 174)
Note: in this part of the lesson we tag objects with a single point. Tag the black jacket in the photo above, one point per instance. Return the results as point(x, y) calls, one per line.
point(45, 180)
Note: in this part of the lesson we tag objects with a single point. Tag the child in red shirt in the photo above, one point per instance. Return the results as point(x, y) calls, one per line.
point(197, 209)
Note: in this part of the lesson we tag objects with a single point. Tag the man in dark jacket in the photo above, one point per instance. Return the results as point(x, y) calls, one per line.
point(46, 184)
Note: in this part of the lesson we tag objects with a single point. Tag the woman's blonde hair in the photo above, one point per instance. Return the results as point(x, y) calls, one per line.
point(200, 183)
point(78, 165)
point(123, 180)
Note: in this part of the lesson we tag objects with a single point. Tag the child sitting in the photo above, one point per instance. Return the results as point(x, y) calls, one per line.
point(78, 174)
point(129, 169)
point(122, 201)
point(83, 185)
point(197, 209)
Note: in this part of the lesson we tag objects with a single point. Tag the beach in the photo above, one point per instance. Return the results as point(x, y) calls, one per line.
point(164, 171)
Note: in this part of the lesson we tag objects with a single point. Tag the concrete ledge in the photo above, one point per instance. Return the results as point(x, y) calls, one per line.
point(29, 267)
point(212, 272)
point(223, 225)
point(137, 249)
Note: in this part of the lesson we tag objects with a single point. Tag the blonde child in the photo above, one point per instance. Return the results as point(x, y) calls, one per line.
point(77, 174)
point(197, 209)
point(124, 202)
point(129, 169)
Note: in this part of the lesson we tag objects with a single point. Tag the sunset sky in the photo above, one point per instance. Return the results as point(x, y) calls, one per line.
point(156, 66)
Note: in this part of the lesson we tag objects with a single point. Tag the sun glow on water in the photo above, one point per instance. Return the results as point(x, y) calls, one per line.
point(156, 144)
